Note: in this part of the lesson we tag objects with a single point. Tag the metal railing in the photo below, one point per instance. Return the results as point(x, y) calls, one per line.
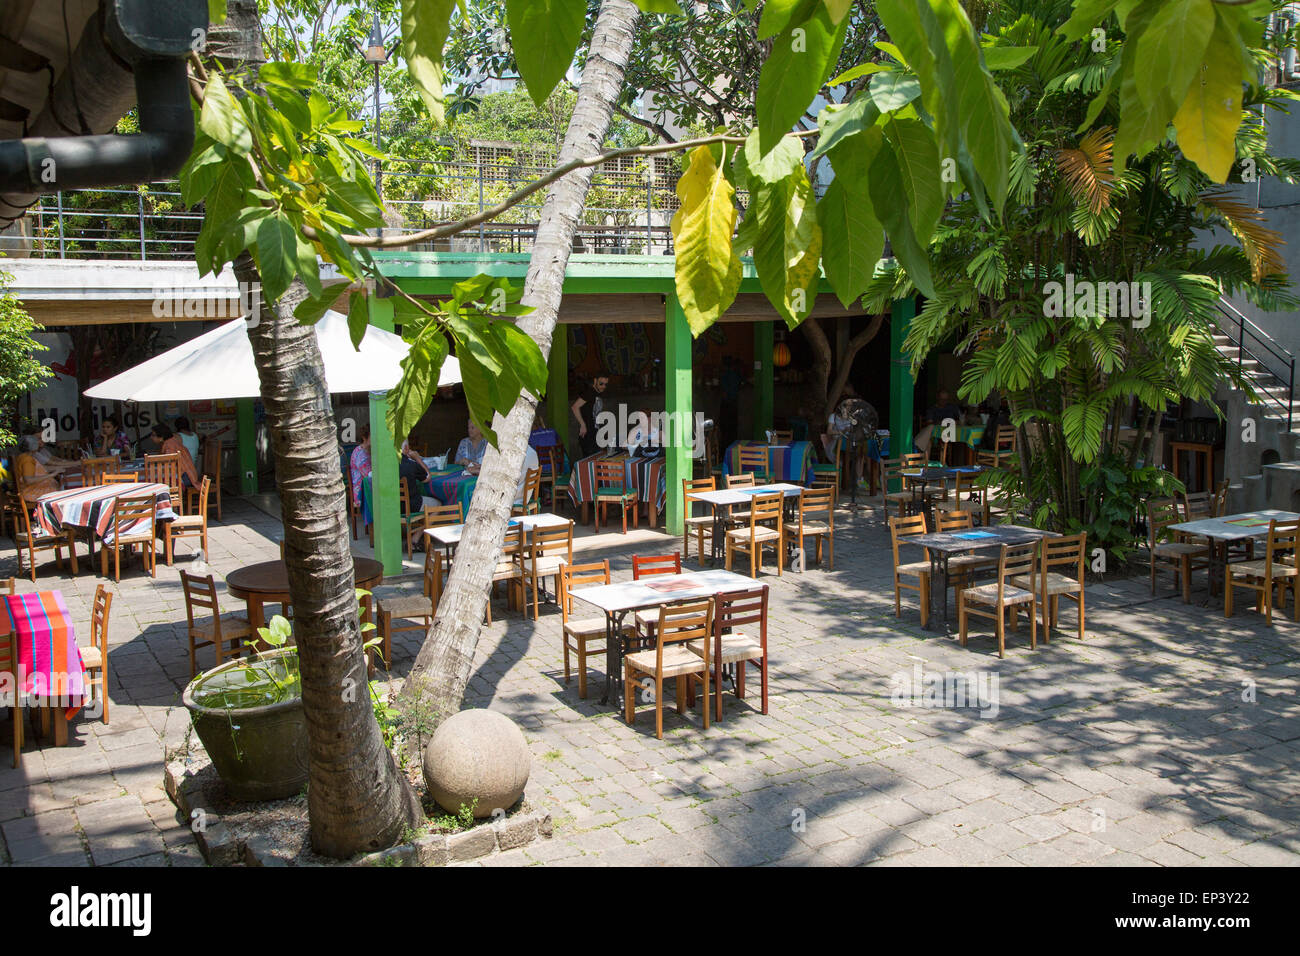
point(628, 211)
point(1255, 344)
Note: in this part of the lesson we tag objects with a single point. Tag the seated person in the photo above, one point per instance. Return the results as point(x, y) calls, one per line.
point(471, 450)
point(112, 440)
point(187, 436)
point(33, 478)
point(412, 471)
point(837, 425)
point(359, 464)
point(52, 462)
point(172, 445)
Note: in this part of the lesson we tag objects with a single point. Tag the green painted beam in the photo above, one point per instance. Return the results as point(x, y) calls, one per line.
point(246, 445)
point(386, 506)
point(557, 384)
point(764, 340)
point(902, 386)
point(680, 405)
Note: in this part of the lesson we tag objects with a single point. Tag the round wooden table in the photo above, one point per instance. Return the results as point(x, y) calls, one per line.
point(268, 582)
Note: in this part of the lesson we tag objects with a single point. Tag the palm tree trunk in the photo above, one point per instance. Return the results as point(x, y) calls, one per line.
point(442, 669)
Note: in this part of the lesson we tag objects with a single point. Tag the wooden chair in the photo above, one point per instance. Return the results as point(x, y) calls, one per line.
point(782, 437)
point(900, 528)
point(41, 540)
point(212, 469)
point(732, 646)
point(1003, 450)
point(166, 470)
point(610, 490)
point(764, 529)
point(678, 626)
point(354, 501)
point(122, 477)
point(816, 518)
point(531, 501)
point(412, 522)
point(511, 569)
point(827, 475)
point(698, 525)
point(1179, 556)
point(754, 461)
point(960, 566)
point(1278, 568)
point(967, 496)
point(553, 458)
point(9, 665)
point(226, 632)
point(734, 518)
point(1197, 505)
point(95, 657)
point(194, 524)
point(995, 599)
point(9, 519)
point(581, 635)
point(93, 470)
point(552, 548)
point(891, 471)
point(1066, 553)
point(645, 566)
point(134, 523)
point(421, 607)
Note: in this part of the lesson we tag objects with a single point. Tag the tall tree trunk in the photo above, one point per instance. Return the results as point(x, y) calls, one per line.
point(357, 798)
point(825, 390)
point(442, 668)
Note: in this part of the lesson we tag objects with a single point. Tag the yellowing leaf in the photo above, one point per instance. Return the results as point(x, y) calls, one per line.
point(708, 271)
point(425, 25)
point(1207, 121)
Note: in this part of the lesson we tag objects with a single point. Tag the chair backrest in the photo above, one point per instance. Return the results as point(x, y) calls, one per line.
point(433, 576)
point(1161, 512)
point(1066, 553)
point(1283, 538)
point(580, 575)
point(551, 540)
point(741, 481)
point(122, 477)
point(553, 459)
point(740, 608)
point(134, 515)
point(1016, 560)
point(753, 458)
point(1006, 438)
point(967, 485)
point(817, 501)
point(1197, 505)
point(200, 592)
point(766, 508)
point(1220, 504)
point(212, 457)
point(99, 620)
point(692, 485)
point(905, 528)
point(532, 486)
point(645, 565)
point(438, 516)
point(205, 485)
point(93, 470)
point(164, 470)
point(608, 471)
point(685, 621)
point(782, 437)
point(404, 496)
point(912, 459)
point(952, 521)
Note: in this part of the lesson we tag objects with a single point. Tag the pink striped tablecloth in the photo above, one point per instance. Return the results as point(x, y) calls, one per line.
point(93, 507)
point(49, 661)
point(643, 474)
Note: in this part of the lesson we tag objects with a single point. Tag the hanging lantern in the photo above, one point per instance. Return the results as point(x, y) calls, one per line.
point(780, 355)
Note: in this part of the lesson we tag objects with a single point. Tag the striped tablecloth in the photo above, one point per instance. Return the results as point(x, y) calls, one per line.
point(447, 486)
point(49, 660)
point(93, 507)
point(791, 462)
point(643, 474)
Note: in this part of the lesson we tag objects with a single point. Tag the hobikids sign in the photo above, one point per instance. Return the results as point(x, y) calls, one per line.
point(74, 910)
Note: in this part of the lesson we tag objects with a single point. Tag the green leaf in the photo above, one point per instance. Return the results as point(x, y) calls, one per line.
point(522, 355)
point(838, 122)
point(1210, 115)
point(891, 91)
point(670, 7)
point(1170, 49)
point(311, 310)
point(887, 184)
point(779, 15)
point(708, 271)
point(293, 76)
point(1143, 124)
point(358, 319)
point(222, 119)
point(425, 25)
point(414, 392)
point(216, 12)
point(862, 69)
point(917, 154)
point(276, 254)
point(544, 35)
point(292, 105)
point(1088, 15)
point(307, 265)
point(852, 241)
point(838, 9)
point(801, 60)
point(1007, 57)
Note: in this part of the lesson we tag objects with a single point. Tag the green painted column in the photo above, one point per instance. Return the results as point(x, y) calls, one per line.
point(557, 384)
point(901, 385)
point(763, 379)
point(386, 505)
point(246, 445)
point(680, 405)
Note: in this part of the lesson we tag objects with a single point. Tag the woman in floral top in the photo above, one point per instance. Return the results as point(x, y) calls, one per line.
point(471, 450)
point(360, 464)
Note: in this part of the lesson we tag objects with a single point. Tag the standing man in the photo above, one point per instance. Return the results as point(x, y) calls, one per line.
point(586, 409)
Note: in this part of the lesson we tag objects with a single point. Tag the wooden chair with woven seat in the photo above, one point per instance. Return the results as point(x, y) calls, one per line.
point(582, 635)
point(93, 470)
point(906, 527)
point(554, 477)
point(891, 471)
point(1003, 450)
point(166, 470)
point(993, 600)
point(1276, 569)
point(441, 516)
point(815, 519)
point(967, 495)
point(1067, 555)
point(735, 518)
point(764, 529)
point(732, 646)
point(211, 468)
point(610, 490)
point(225, 633)
point(1179, 556)
point(134, 523)
point(671, 657)
point(95, 657)
point(511, 569)
point(9, 665)
point(411, 607)
point(753, 460)
point(194, 524)
point(827, 475)
point(551, 549)
point(412, 522)
point(696, 524)
point(645, 566)
point(530, 502)
point(961, 566)
point(38, 539)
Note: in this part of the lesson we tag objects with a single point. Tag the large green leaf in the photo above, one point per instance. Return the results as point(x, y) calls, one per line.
point(838, 122)
point(425, 25)
point(1170, 49)
point(222, 119)
point(276, 254)
point(852, 241)
point(544, 35)
point(1210, 115)
point(917, 155)
point(887, 185)
point(415, 390)
point(1088, 15)
point(524, 357)
point(1143, 124)
point(891, 91)
point(781, 15)
point(659, 6)
point(801, 60)
point(708, 271)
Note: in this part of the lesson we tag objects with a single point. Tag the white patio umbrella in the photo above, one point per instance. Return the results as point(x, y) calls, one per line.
point(219, 364)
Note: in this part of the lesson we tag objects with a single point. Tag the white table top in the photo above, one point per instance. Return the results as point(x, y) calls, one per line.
point(741, 496)
point(1249, 524)
point(449, 534)
point(650, 592)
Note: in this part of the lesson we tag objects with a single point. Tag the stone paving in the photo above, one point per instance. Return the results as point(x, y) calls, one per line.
point(1169, 737)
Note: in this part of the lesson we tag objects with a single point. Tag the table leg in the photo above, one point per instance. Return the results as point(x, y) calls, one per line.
point(256, 614)
point(613, 654)
point(938, 592)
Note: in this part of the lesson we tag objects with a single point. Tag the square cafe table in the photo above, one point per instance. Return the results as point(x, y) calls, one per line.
point(941, 547)
point(619, 600)
point(726, 498)
point(448, 535)
point(1224, 531)
point(38, 627)
point(92, 508)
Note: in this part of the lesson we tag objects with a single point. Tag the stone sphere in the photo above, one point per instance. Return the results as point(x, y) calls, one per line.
point(477, 754)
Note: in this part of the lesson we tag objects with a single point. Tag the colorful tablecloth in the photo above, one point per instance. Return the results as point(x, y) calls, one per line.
point(791, 462)
point(448, 486)
point(970, 435)
point(93, 507)
point(643, 474)
point(49, 661)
